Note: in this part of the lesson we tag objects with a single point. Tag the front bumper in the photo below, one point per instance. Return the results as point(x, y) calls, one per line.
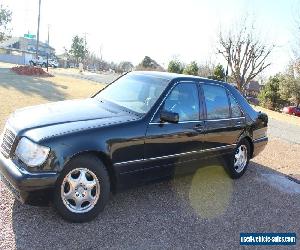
point(23, 183)
point(259, 145)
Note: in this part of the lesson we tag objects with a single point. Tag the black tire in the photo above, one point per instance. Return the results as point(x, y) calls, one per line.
point(230, 161)
point(94, 164)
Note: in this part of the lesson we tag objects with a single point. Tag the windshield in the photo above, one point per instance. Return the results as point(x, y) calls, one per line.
point(135, 92)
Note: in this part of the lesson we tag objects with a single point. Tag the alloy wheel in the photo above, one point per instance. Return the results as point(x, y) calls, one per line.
point(80, 190)
point(240, 158)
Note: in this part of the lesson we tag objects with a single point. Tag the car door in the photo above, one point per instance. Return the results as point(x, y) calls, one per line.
point(169, 144)
point(221, 130)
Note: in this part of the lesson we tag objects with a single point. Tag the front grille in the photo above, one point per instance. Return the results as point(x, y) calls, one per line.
point(7, 142)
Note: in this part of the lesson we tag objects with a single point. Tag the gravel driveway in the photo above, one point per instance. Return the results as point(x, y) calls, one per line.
point(206, 210)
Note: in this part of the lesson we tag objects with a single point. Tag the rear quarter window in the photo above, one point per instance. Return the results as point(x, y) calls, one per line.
point(235, 109)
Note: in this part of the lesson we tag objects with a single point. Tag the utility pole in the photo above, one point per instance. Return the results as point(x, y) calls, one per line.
point(101, 47)
point(38, 31)
point(48, 48)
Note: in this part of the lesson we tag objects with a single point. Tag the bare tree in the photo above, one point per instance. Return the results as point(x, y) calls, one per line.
point(206, 69)
point(245, 54)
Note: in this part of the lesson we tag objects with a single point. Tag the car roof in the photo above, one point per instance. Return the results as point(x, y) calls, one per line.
point(175, 76)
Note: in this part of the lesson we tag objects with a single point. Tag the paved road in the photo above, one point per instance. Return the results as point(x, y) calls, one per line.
point(284, 130)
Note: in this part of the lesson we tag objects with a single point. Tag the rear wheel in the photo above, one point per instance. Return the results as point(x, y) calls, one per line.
point(82, 189)
point(237, 163)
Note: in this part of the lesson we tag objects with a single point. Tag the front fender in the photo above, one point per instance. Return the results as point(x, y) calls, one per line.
point(66, 147)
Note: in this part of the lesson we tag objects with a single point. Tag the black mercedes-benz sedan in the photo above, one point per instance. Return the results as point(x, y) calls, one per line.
point(136, 130)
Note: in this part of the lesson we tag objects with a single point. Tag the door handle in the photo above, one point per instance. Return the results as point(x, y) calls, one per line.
point(199, 127)
point(238, 123)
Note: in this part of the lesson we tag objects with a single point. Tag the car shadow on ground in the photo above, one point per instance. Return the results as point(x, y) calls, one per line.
point(204, 210)
point(30, 85)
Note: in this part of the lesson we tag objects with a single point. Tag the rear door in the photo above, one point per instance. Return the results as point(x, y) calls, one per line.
point(221, 133)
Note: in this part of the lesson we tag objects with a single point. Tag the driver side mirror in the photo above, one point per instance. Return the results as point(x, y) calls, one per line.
point(167, 116)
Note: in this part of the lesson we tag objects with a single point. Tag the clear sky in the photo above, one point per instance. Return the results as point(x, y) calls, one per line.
point(161, 29)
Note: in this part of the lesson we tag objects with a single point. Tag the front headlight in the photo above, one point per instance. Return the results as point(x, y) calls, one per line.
point(31, 153)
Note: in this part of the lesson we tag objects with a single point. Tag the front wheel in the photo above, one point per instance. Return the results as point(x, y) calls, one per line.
point(236, 165)
point(82, 190)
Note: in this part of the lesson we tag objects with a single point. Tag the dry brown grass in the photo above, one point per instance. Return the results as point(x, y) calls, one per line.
point(19, 91)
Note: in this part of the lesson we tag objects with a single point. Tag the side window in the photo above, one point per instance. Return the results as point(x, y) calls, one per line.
point(235, 109)
point(217, 106)
point(184, 100)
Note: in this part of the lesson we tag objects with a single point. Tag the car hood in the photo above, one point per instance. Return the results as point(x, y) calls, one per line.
point(66, 113)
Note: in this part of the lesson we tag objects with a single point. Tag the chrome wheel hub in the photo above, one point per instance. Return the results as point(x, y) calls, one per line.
point(240, 158)
point(80, 190)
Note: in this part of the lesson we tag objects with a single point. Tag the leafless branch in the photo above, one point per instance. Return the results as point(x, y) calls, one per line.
point(245, 54)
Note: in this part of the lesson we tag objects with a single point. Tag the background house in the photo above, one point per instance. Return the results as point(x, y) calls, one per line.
point(21, 50)
point(253, 88)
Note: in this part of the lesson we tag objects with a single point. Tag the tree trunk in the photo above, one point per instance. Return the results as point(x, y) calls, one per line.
point(239, 85)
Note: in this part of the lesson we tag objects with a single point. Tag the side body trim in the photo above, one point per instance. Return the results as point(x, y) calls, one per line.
point(174, 155)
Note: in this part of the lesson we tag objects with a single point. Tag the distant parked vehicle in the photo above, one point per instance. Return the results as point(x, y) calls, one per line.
point(40, 61)
point(43, 62)
point(292, 110)
point(52, 63)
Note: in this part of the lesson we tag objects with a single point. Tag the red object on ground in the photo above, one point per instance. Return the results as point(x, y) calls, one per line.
point(291, 110)
point(30, 71)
